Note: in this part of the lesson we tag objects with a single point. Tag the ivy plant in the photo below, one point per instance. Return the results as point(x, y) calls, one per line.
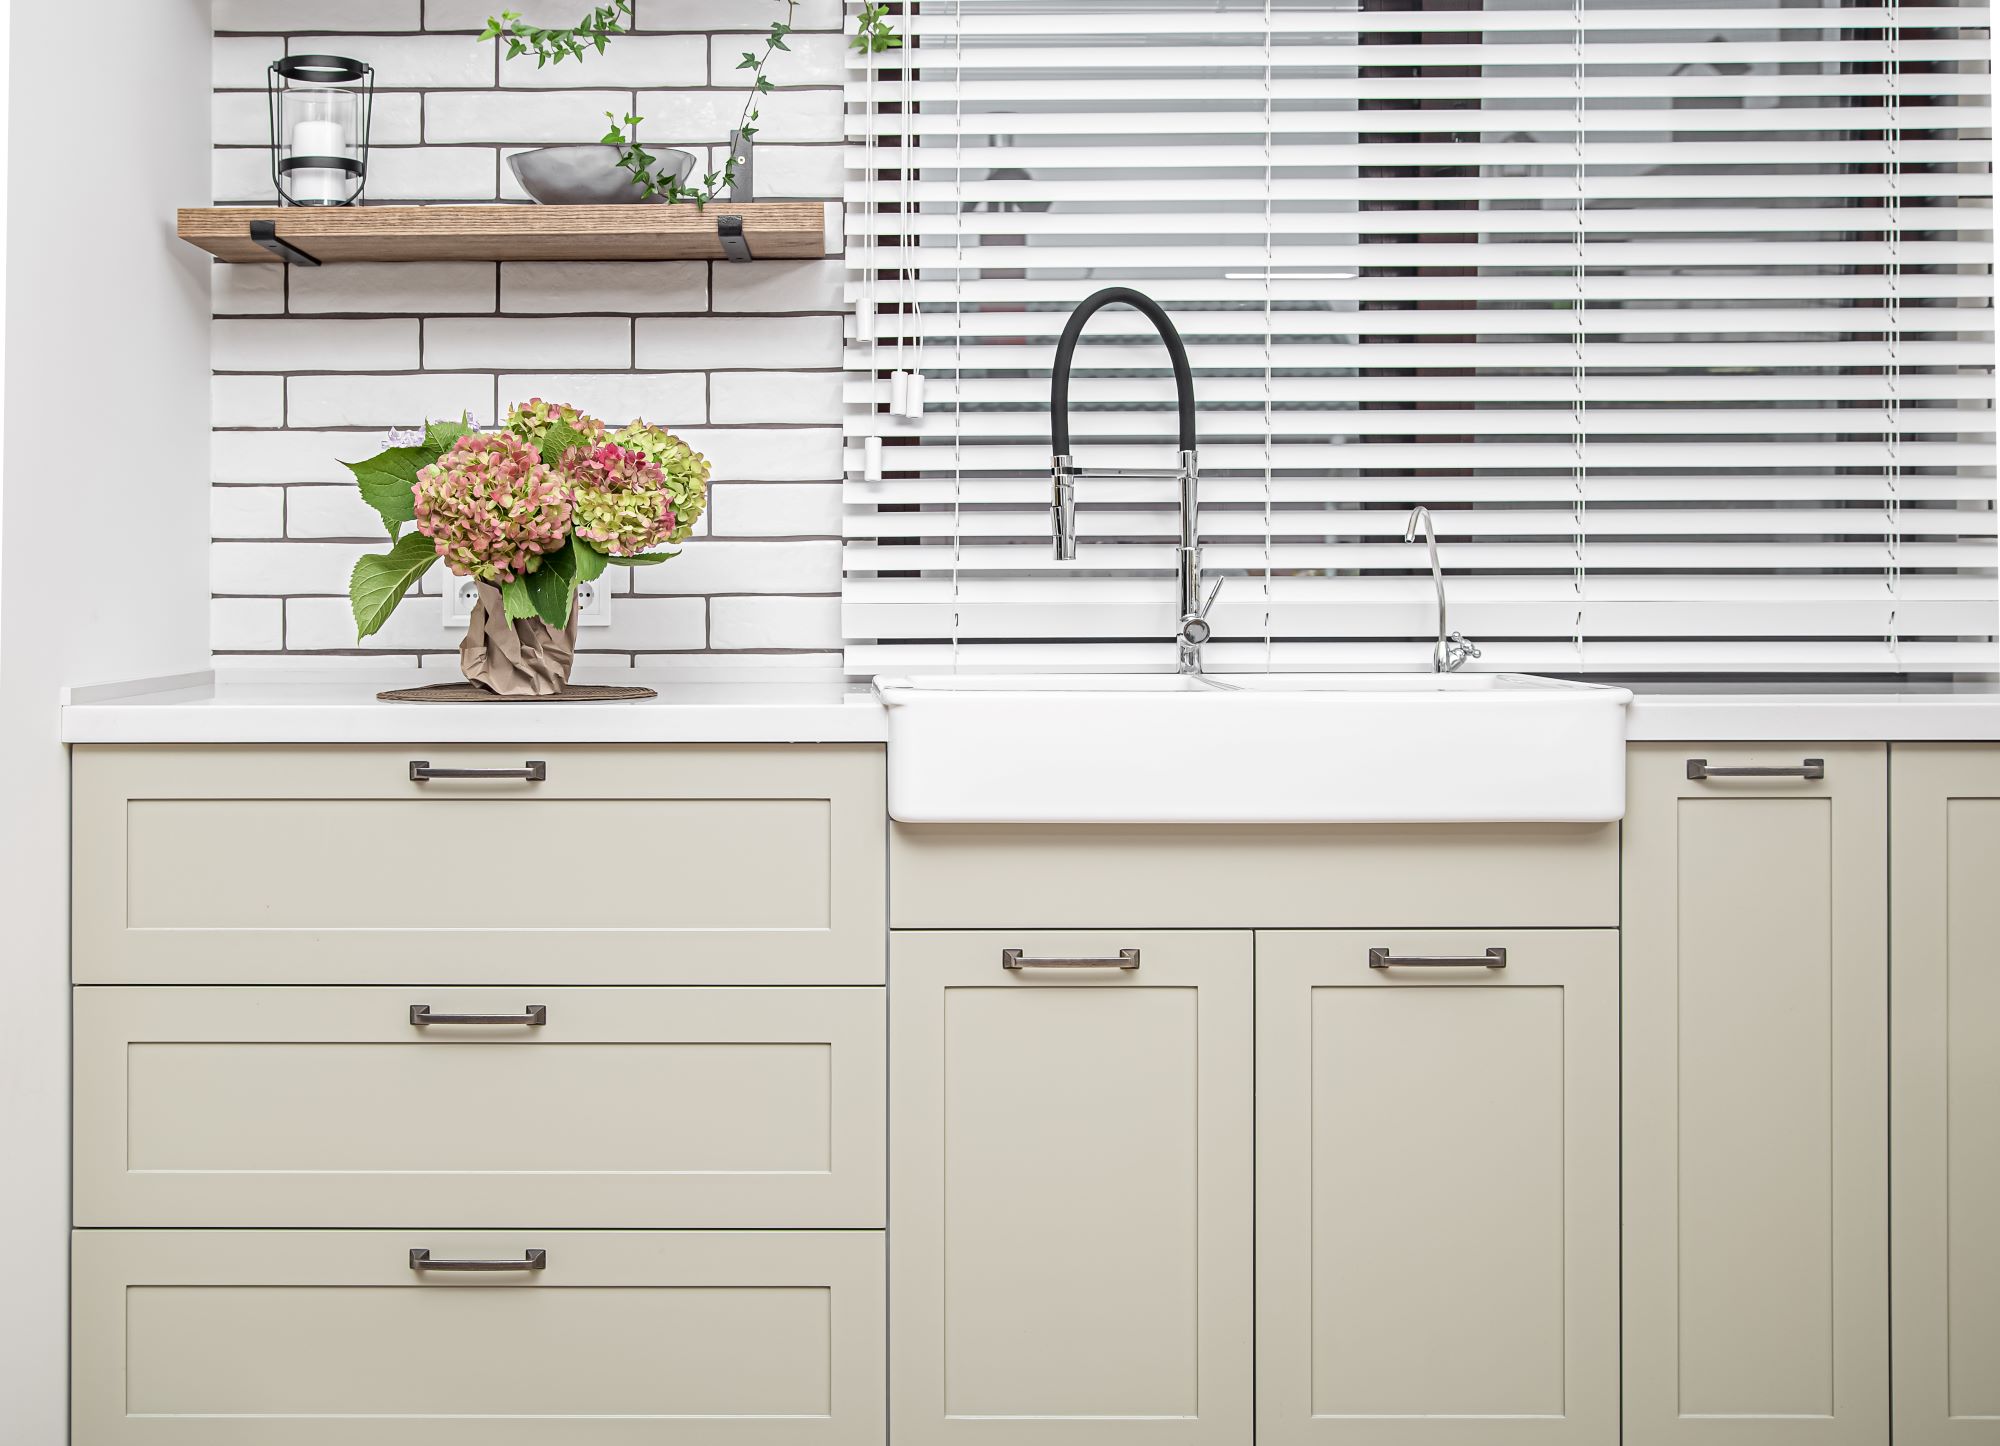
point(551, 45)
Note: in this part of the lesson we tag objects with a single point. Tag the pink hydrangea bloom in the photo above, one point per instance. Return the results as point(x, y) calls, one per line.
point(621, 499)
point(492, 508)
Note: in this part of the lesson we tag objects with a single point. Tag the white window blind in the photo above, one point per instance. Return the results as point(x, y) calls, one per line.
point(1678, 317)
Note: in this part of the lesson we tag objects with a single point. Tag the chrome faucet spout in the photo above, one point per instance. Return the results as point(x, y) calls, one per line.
point(1452, 649)
point(1193, 629)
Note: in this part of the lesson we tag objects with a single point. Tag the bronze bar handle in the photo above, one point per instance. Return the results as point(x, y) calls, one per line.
point(1814, 768)
point(530, 1260)
point(1383, 959)
point(1014, 959)
point(534, 771)
point(422, 1017)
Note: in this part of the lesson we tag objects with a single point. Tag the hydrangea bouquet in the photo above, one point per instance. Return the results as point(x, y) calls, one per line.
point(552, 499)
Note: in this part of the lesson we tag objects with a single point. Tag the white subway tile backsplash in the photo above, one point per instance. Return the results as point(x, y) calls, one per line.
point(417, 287)
point(528, 341)
point(237, 458)
point(245, 290)
point(774, 509)
point(239, 512)
point(732, 15)
point(293, 344)
point(433, 173)
point(774, 396)
point(800, 173)
point(630, 60)
point(326, 624)
point(246, 401)
point(313, 365)
point(688, 117)
point(756, 623)
point(283, 17)
point(244, 62)
point(278, 569)
point(619, 286)
point(710, 566)
point(412, 62)
point(520, 117)
point(671, 399)
point(811, 60)
point(781, 286)
point(650, 624)
point(789, 342)
point(392, 401)
point(335, 511)
point(773, 454)
point(242, 624)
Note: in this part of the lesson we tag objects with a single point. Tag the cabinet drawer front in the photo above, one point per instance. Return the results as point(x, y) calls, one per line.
point(1071, 1188)
point(1437, 1167)
point(628, 865)
point(310, 1338)
point(666, 1108)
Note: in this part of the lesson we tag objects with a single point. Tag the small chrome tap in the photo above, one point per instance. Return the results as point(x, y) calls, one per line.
point(1452, 649)
point(1193, 629)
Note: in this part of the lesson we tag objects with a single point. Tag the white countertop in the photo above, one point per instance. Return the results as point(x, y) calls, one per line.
point(285, 705)
point(794, 705)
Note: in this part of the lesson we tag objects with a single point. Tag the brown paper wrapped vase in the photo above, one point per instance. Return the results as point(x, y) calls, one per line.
point(519, 659)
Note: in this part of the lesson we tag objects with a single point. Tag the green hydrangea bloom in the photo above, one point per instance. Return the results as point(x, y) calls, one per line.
point(684, 472)
point(534, 419)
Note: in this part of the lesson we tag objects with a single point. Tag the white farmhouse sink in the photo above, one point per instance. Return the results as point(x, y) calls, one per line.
point(1274, 748)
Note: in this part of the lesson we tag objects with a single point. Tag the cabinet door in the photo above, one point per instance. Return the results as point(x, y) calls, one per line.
point(1070, 1186)
point(1756, 1098)
point(1437, 1188)
point(1945, 1093)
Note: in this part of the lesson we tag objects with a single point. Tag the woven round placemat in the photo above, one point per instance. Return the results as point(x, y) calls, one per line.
point(473, 693)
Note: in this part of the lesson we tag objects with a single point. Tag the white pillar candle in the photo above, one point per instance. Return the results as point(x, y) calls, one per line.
point(318, 183)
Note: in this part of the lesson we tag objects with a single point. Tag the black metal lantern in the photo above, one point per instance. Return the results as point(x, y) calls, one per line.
point(320, 107)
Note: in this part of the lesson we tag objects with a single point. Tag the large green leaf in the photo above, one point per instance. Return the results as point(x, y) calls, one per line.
point(644, 559)
point(519, 603)
point(558, 440)
point(590, 563)
point(380, 580)
point(388, 481)
point(438, 436)
point(553, 586)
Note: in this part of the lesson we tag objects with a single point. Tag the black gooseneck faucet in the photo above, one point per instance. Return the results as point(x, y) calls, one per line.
point(1194, 629)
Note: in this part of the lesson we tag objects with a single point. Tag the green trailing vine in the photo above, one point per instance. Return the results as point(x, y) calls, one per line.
point(551, 45)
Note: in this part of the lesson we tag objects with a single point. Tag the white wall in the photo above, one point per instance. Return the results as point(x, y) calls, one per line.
point(103, 543)
point(744, 361)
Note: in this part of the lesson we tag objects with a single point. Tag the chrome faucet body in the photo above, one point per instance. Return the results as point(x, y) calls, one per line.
point(1452, 649)
point(1193, 629)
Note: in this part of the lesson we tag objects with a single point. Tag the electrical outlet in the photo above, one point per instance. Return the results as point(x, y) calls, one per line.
point(593, 603)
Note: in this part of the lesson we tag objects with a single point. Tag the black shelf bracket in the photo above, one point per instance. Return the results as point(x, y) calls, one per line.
point(265, 234)
point(735, 246)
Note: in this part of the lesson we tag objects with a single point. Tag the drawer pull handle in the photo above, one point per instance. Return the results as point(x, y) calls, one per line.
point(422, 1017)
point(1015, 959)
point(530, 1260)
point(535, 770)
point(1698, 769)
point(1383, 959)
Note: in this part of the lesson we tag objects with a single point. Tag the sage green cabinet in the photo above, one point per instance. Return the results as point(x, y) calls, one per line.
point(1070, 1188)
point(1756, 995)
point(1944, 1144)
point(1437, 1188)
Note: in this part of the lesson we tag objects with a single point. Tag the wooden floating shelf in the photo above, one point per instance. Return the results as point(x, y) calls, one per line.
point(308, 235)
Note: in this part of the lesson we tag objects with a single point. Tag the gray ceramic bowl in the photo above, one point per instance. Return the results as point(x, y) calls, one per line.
point(589, 175)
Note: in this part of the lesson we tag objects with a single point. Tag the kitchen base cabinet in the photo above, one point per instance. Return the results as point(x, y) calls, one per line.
point(1945, 1093)
point(1437, 1188)
point(1070, 1186)
point(1756, 1096)
point(332, 1338)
